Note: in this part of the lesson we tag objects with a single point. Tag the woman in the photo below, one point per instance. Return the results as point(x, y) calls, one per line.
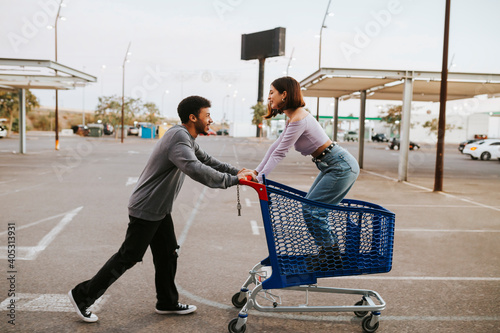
point(338, 170)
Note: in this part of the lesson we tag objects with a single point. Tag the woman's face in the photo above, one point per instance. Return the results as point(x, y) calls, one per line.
point(275, 98)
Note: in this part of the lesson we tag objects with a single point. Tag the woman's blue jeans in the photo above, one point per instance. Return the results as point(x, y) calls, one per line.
point(338, 172)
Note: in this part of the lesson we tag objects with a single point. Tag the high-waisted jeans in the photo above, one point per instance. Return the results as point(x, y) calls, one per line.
point(338, 172)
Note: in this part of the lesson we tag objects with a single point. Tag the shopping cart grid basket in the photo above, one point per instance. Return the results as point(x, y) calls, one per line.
point(363, 231)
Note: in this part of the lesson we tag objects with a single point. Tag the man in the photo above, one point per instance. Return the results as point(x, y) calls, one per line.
point(175, 155)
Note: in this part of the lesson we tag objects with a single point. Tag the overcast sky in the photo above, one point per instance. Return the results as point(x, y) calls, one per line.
point(193, 46)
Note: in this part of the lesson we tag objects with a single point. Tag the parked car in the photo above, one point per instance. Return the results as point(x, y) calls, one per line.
point(351, 136)
point(483, 149)
point(132, 130)
point(379, 137)
point(108, 129)
point(3, 131)
point(496, 153)
point(209, 133)
point(465, 143)
point(394, 144)
point(222, 132)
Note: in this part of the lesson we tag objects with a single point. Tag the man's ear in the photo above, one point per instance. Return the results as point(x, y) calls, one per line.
point(192, 117)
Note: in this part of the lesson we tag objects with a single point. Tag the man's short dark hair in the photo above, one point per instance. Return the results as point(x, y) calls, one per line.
point(191, 105)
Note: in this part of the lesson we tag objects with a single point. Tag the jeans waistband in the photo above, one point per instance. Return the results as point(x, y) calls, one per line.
point(324, 152)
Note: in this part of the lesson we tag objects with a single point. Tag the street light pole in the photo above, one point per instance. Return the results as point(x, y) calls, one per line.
point(290, 61)
point(57, 92)
point(321, 32)
point(123, 89)
point(319, 62)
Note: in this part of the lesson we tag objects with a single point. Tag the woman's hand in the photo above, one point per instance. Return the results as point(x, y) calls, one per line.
point(243, 173)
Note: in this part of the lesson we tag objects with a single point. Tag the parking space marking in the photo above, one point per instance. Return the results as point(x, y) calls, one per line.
point(255, 228)
point(445, 230)
point(22, 189)
point(420, 278)
point(429, 190)
point(427, 206)
point(191, 218)
point(35, 223)
point(32, 252)
point(131, 181)
point(247, 202)
point(296, 316)
point(48, 303)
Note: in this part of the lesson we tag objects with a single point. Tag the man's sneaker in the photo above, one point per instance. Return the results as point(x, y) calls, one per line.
point(180, 308)
point(82, 312)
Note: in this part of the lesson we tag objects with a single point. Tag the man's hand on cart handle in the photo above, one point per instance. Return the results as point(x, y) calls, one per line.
point(247, 174)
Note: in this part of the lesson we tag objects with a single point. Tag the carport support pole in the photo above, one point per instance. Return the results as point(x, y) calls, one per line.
point(317, 108)
point(404, 144)
point(361, 135)
point(22, 121)
point(438, 177)
point(335, 119)
point(260, 92)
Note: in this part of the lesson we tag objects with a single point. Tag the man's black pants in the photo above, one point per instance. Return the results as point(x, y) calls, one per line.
point(160, 236)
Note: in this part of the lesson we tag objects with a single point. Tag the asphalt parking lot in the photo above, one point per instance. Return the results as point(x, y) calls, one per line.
point(68, 213)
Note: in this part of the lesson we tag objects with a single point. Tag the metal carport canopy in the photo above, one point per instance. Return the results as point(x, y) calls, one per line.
point(21, 74)
point(39, 74)
point(404, 85)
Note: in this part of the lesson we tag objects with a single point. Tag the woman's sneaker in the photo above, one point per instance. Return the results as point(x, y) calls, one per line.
point(180, 308)
point(83, 312)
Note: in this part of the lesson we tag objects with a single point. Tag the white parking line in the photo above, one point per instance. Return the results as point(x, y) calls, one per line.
point(445, 230)
point(255, 227)
point(420, 278)
point(17, 190)
point(131, 181)
point(429, 190)
point(47, 303)
point(8, 181)
point(31, 252)
point(296, 316)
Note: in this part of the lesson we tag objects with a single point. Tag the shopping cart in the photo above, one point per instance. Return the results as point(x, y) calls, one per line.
point(363, 236)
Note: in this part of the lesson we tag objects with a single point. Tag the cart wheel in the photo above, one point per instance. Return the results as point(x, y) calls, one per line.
point(232, 327)
point(360, 314)
point(366, 325)
point(237, 304)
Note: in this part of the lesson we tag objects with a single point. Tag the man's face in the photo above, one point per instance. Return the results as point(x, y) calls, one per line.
point(202, 124)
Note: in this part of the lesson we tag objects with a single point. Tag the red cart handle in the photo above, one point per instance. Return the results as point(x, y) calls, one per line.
point(260, 188)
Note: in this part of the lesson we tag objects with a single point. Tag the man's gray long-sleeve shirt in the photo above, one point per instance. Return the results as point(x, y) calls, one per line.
point(174, 156)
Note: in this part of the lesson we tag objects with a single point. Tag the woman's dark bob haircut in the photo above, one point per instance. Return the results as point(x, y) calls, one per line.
point(293, 98)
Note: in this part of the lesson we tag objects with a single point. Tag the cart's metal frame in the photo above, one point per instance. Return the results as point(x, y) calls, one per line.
point(370, 299)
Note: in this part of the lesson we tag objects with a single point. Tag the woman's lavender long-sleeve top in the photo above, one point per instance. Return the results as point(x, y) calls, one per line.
point(306, 135)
